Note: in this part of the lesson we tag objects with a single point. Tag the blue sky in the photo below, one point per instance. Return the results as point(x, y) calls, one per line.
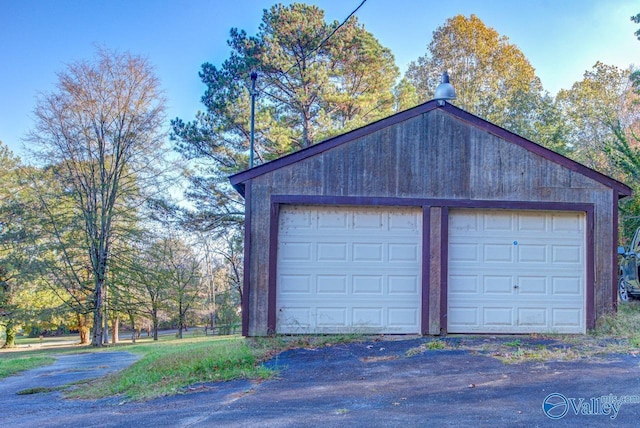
point(561, 38)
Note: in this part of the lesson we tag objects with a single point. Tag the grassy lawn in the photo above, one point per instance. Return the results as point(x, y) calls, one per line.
point(167, 367)
point(21, 363)
point(626, 323)
point(31, 353)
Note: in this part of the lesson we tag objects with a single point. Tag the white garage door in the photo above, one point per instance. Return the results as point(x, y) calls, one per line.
point(516, 272)
point(349, 269)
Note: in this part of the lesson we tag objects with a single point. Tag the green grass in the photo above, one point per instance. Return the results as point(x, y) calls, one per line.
point(306, 341)
point(168, 367)
point(515, 343)
point(615, 333)
point(436, 344)
point(624, 324)
point(37, 390)
point(431, 345)
point(22, 363)
point(537, 353)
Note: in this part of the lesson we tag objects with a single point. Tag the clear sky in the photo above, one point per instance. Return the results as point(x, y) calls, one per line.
point(561, 38)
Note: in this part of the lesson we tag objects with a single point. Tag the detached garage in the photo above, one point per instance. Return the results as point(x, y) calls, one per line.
point(427, 222)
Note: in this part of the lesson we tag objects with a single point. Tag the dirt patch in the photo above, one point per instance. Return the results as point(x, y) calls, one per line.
point(377, 359)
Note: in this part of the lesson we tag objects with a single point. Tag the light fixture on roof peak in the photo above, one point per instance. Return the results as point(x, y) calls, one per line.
point(445, 90)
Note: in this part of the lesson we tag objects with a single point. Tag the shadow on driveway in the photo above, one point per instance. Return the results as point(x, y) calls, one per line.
point(377, 383)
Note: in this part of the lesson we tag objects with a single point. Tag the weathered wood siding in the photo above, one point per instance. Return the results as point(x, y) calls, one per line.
point(432, 156)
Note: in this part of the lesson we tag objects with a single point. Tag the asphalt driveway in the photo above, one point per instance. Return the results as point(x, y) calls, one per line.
point(375, 383)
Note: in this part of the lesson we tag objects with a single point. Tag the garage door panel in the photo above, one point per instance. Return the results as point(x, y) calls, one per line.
point(332, 284)
point(529, 253)
point(494, 284)
point(567, 317)
point(333, 220)
point(363, 273)
point(532, 272)
point(367, 317)
point(497, 316)
point(533, 317)
point(403, 317)
point(497, 253)
point(407, 222)
point(528, 223)
point(295, 319)
point(571, 254)
point(463, 317)
point(302, 220)
point(464, 222)
point(297, 251)
point(331, 316)
point(367, 252)
point(567, 224)
point(461, 252)
point(566, 285)
point(295, 284)
point(407, 284)
point(368, 221)
point(332, 251)
point(533, 285)
point(463, 284)
point(498, 222)
point(403, 253)
point(367, 284)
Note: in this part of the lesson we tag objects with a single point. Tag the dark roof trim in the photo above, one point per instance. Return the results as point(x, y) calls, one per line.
point(238, 180)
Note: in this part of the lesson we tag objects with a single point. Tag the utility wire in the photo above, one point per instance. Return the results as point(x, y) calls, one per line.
point(326, 39)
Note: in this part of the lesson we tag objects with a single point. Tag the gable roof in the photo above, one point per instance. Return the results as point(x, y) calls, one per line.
point(238, 180)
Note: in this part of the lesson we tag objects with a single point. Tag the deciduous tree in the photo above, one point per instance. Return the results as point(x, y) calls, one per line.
point(624, 149)
point(100, 130)
point(590, 111)
point(184, 276)
point(12, 258)
point(492, 77)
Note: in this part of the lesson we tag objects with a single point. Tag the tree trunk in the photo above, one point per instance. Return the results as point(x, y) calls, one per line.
point(83, 329)
point(105, 315)
point(180, 320)
point(154, 320)
point(115, 330)
point(10, 331)
point(134, 331)
point(306, 125)
point(97, 315)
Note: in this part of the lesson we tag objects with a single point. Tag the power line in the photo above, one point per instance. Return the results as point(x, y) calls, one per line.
point(254, 74)
point(326, 39)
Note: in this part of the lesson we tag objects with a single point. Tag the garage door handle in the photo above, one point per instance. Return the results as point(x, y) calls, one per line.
point(516, 286)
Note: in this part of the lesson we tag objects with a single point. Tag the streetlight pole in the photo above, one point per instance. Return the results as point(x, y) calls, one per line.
point(254, 77)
